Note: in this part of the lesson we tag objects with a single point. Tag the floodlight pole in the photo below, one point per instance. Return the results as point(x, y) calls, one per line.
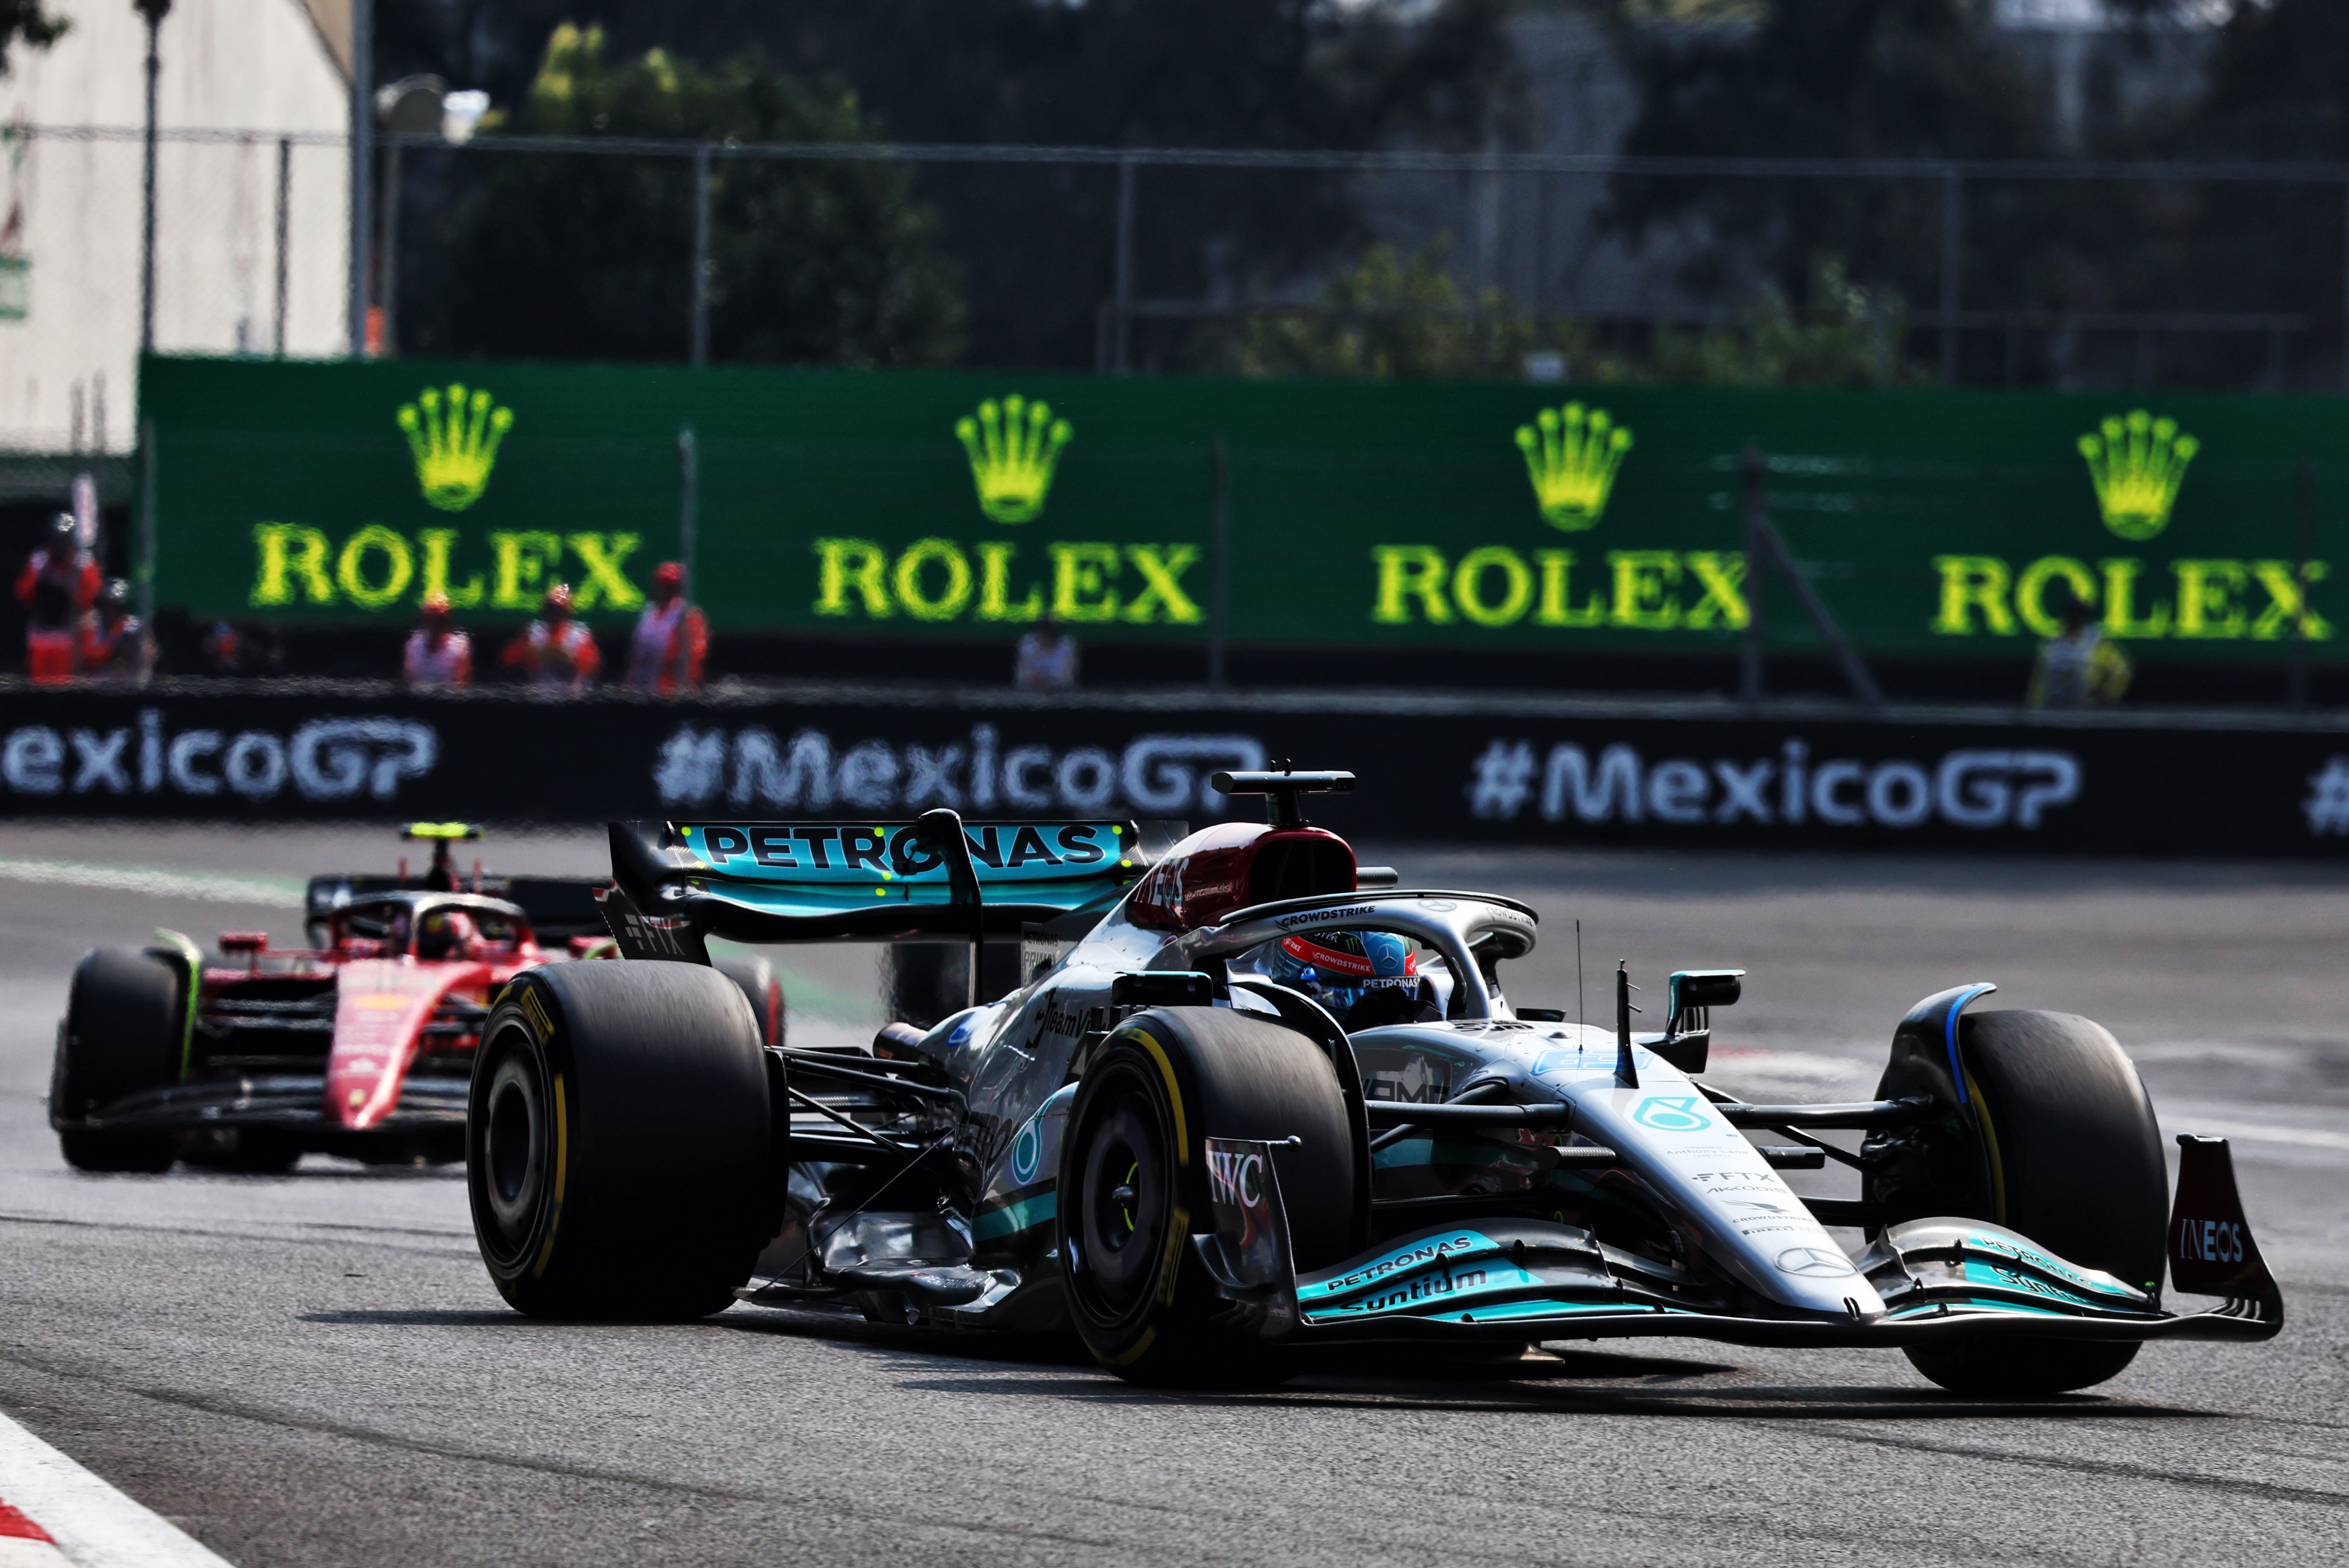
point(362, 172)
point(154, 11)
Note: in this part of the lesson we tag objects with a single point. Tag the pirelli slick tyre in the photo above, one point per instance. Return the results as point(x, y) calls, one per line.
point(1133, 1186)
point(2074, 1159)
point(126, 1018)
point(617, 1141)
point(755, 978)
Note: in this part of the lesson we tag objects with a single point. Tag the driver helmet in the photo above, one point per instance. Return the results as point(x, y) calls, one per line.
point(1340, 968)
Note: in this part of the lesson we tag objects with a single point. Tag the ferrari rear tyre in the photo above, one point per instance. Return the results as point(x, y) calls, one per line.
point(617, 1141)
point(2075, 1163)
point(125, 1016)
point(1133, 1186)
point(755, 978)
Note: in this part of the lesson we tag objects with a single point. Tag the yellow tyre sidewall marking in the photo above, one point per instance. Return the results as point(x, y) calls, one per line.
point(562, 1171)
point(1989, 1142)
point(1178, 1230)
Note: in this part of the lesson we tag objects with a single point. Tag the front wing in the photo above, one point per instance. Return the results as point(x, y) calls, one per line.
point(1941, 1280)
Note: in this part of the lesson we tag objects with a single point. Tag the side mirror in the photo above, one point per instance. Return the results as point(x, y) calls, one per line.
point(1694, 990)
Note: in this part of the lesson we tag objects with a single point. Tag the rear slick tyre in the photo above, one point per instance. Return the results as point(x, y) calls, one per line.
point(1133, 1186)
point(2075, 1164)
point(126, 1017)
point(617, 1141)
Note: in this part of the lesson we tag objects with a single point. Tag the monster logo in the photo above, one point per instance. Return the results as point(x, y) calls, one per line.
point(1013, 448)
point(1571, 457)
point(456, 447)
point(2137, 464)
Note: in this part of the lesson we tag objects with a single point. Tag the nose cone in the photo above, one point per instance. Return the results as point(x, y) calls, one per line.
point(380, 1008)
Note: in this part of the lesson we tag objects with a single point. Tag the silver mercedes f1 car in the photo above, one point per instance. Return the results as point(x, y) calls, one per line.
point(1249, 1097)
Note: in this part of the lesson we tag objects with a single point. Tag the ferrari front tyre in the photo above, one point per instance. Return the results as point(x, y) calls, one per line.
point(1133, 1186)
point(2075, 1163)
point(126, 1017)
point(617, 1141)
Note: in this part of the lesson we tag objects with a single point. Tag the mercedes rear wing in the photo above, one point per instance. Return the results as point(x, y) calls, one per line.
point(679, 883)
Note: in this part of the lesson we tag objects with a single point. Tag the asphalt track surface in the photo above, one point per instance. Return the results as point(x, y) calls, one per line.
point(314, 1370)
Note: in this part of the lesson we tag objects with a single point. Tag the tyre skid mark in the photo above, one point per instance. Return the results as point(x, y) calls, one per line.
point(210, 1404)
point(2272, 1491)
point(136, 1227)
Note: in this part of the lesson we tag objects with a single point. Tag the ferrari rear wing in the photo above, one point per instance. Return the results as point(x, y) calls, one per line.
point(678, 883)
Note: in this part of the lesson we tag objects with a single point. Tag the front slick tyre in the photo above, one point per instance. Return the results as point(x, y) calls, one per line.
point(1133, 1187)
point(2075, 1160)
point(616, 1141)
point(126, 1017)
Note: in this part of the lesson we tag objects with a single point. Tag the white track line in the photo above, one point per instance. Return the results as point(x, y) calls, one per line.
point(277, 893)
point(94, 1525)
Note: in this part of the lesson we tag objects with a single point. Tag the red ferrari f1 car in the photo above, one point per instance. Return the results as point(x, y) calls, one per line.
point(361, 1044)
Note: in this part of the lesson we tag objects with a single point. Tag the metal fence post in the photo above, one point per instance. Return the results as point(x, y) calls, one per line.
point(284, 226)
point(2344, 287)
point(387, 259)
point(700, 256)
point(688, 520)
point(1953, 238)
point(2305, 488)
point(154, 15)
point(362, 164)
point(1220, 457)
point(1757, 566)
point(143, 571)
point(1122, 335)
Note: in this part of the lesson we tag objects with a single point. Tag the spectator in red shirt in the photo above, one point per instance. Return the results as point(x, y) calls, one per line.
point(671, 637)
point(61, 580)
point(437, 654)
point(558, 653)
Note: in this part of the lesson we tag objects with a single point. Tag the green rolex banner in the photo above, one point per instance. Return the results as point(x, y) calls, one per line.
point(1505, 516)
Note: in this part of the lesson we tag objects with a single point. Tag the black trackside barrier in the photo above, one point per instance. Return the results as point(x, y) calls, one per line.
point(1685, 775)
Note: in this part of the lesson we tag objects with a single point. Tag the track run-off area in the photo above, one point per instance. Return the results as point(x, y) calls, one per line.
point(313, 1369)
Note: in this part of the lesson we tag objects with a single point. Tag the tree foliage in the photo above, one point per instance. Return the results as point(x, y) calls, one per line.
point(24, 20)
point(1390, 315)
point(1842, 336)
point(566, 255)
point(1034, 245)
point(1820, 78)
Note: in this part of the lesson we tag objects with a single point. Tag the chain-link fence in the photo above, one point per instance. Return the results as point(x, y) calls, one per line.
point(2065, 273)
point(250, 248)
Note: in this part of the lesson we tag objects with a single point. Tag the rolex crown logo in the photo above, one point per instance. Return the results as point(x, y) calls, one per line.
point(455, 443)
point(2137, 464)
point(1571, 455)
point(1013, 447)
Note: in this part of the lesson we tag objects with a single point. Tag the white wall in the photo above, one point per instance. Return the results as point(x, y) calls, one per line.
point(249, 65)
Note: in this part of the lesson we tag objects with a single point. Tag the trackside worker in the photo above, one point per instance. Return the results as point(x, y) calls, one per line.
point(113, 642)
point(2078, 669)
point(61, 580)
point(558, 653)
point(437, 654)
point(671, 637)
